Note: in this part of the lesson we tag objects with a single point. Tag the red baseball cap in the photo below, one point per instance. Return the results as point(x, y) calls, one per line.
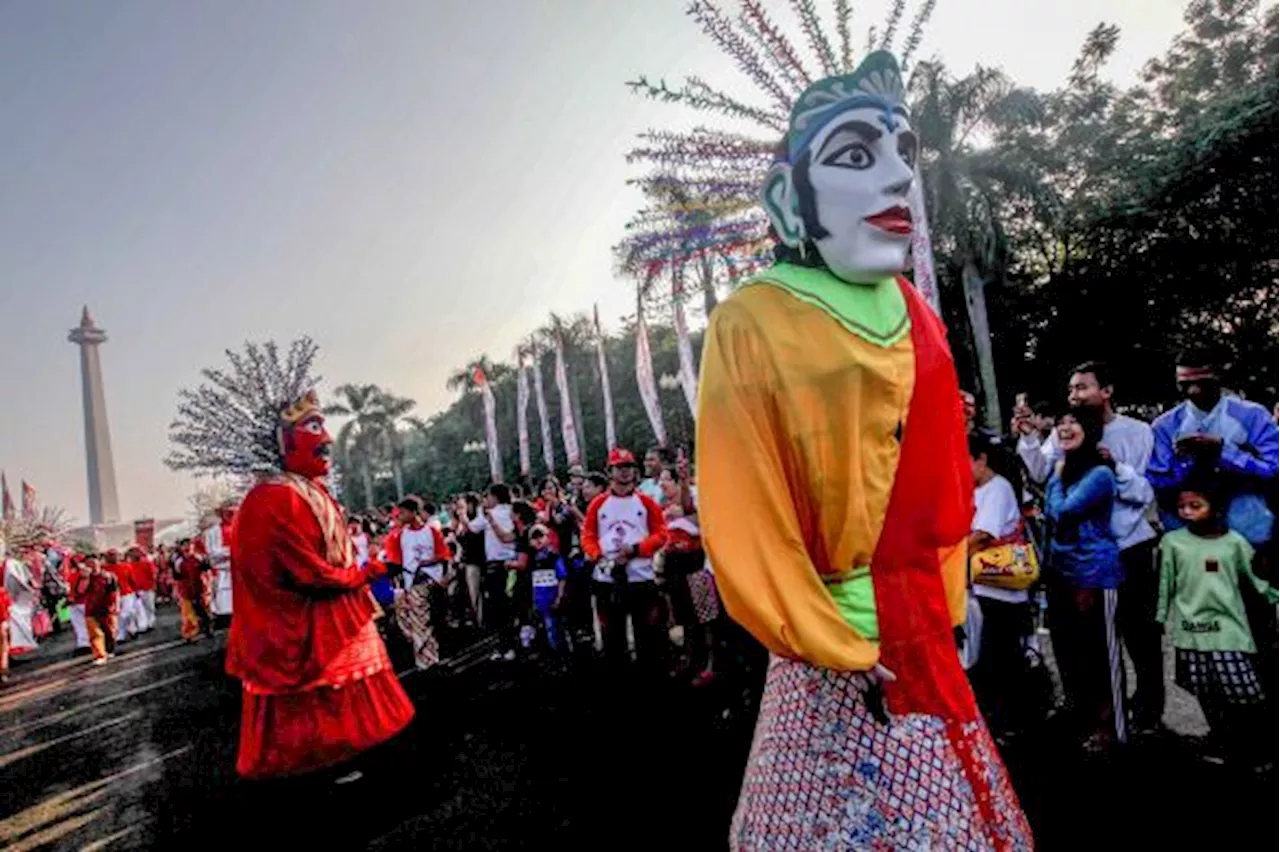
point(619, 457)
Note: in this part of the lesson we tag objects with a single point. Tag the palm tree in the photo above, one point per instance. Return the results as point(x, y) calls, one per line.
point(360, 437)
point(393, 410)
point(968, 129)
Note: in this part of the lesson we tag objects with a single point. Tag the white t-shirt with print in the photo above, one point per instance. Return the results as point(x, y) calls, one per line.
point(623, 521)
point(996, 513)
point(418, 547)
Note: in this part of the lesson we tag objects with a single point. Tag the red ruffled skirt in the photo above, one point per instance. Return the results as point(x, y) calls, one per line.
point(353, 706)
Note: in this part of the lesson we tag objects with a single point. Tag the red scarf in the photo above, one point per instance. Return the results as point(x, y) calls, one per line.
point(930, 507)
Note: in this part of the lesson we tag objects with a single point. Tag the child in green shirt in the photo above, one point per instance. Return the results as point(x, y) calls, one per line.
point(1202, 567)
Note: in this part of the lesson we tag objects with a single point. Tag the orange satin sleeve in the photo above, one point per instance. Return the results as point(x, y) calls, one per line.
point(748, 482)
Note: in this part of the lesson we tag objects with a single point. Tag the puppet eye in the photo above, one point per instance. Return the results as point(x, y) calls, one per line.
point(855, 155)
point(315, 427)
point(908, 148)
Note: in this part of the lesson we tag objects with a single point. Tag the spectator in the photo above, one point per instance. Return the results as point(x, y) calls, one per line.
point(1127, 442)
point(557, 514)
point(1202, 567)
point(655, 459)
point(548, 577)
point(466, 508)
point(689, 584)
point(999, 675)
point(1212, 434)
point(497, 524)
point(623, 530)
point(1085, 573)
point(417, 550)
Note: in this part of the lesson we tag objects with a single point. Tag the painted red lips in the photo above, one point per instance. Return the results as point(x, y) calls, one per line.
point(895, 220)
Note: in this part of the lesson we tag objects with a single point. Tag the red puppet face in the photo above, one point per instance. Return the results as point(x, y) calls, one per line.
point(306, 447)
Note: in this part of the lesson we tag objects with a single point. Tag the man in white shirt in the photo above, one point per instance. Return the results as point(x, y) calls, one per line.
point(499, 528)
point(622, 531)
point(654, 461)
point(1129, 443)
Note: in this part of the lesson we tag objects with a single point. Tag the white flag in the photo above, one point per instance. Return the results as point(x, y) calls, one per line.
point(644, 376)
point(544, 422)
point(610, 430)
point(568, 429)
point(922, 246)
point(688, 375)
point(522, 414)
point(490, 424)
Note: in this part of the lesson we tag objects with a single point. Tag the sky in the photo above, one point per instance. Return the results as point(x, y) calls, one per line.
point(410, 183)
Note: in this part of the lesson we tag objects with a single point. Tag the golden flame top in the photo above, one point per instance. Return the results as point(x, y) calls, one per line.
point(301, 408)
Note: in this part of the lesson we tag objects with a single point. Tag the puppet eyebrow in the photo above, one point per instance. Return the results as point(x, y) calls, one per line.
point(869, 133)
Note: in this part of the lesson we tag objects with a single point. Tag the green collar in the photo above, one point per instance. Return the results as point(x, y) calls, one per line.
point(875, 312)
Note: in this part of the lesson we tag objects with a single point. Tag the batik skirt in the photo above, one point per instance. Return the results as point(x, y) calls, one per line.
point(824, 773)
point(413, 614)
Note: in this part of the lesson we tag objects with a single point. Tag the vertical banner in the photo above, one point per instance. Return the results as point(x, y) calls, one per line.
point(522, 413)
point(28, 502)
point(544, 421)
point(610, 429)
point(568, 428)
point(9, 510)
point(490, 424)
point(644, 375)
point(688, 374)
point(144, 533)
point(921, 246)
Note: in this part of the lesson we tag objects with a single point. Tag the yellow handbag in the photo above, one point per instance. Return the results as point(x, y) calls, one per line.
point(1009, 564)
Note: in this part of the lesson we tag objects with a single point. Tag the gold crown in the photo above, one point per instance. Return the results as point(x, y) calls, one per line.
point(301, 408)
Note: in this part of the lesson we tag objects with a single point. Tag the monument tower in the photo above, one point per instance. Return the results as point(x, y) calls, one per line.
point(104, 505)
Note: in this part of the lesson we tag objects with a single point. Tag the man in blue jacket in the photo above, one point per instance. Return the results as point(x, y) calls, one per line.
point(1210, 432)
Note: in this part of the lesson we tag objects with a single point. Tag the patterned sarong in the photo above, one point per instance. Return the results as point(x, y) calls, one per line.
point(825, 774)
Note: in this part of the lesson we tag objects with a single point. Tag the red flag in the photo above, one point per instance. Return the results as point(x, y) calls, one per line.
point(9, 510)
point(28, 501)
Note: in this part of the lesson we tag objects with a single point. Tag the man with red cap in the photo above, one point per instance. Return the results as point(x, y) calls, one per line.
point(622, 532)
point(318, 687)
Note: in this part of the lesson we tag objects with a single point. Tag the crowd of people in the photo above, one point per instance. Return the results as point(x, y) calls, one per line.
point(109, 597)
point(104, 598)
point(599, 564)
point(1090, 525)
point(1136, 526)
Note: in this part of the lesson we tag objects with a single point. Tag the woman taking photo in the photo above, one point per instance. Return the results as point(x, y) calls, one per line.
point(1084, 574)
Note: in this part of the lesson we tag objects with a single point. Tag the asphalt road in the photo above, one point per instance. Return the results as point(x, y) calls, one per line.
point(139, 755)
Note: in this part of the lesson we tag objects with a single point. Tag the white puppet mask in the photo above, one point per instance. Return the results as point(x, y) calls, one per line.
point(842, 189)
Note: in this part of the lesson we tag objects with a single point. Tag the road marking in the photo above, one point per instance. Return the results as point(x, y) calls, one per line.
point(19, 754)
point(93, 677)
point(56, 832)
point(55, 718)
point(104, 842)
point(51, 816)
point(84, 661)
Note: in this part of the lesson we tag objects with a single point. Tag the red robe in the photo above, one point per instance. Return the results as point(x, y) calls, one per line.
point(318, 685)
